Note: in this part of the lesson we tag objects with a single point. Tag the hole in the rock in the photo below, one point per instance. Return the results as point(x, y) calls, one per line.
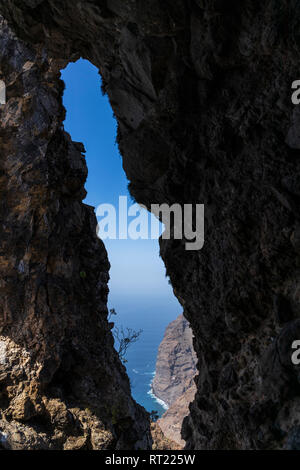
point(139, 290)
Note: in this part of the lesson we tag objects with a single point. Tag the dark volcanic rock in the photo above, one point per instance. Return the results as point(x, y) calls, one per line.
point(202, 93)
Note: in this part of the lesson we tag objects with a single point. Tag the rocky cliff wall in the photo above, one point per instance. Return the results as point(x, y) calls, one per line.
point(176, 362)
point(201, 91)
point(171, 421)
point(62, 385)
point(174, 379)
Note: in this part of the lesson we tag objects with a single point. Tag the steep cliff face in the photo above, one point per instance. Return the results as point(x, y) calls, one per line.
point(160, 441)
point(201, 91)
point(174, 379)
point(171, 421)
point(62, 385)
point(176, 362)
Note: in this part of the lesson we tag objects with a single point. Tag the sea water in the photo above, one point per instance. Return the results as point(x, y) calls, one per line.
point(152, 315)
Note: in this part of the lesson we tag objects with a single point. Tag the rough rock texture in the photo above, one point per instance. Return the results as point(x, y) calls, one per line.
point(62, 385)
point(171, 421)
point(174, 379)
point(160, 441)
point(201, 91)
point(176, 362)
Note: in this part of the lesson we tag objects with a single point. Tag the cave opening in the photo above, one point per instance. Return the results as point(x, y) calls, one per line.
point(140, 293)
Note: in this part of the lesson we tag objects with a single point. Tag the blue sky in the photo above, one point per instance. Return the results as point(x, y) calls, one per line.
point(136, 266)
point(139, 290)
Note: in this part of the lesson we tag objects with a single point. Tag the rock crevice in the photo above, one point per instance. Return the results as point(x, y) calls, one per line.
point(174, 378)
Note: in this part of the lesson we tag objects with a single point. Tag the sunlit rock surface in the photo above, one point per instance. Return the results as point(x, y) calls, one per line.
point(176, 362)
point(62, 385)
point(171, 421)
point(174, 379)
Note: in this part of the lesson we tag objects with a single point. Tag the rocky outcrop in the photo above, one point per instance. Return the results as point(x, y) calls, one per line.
point(171, 421)
point(160, 441)
point(176, 362)
point(174, 378)
point(201, 91)
point(62, 385)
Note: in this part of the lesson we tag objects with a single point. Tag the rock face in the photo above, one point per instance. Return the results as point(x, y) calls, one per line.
point(171, 421)
point(174, 379)
point(62, 385)
point(202, 93)
point(160, 441)
point(176, 362)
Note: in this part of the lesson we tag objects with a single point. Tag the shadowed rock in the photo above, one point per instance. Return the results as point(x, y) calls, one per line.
point(202, 94)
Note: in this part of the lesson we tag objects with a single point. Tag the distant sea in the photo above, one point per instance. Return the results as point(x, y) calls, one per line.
point(152, 316)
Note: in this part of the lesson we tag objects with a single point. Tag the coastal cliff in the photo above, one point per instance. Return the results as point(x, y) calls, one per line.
point(171, 421)
point(62, 384)
point(174, 378)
